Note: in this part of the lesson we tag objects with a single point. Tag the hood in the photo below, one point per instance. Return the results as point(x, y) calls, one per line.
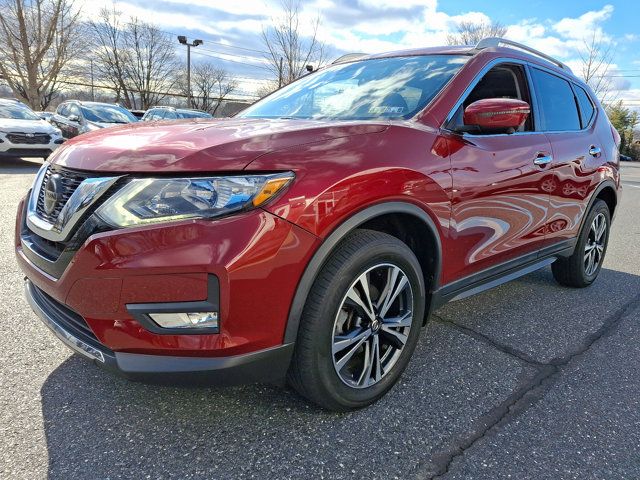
point(25, 126)
point(196, 145)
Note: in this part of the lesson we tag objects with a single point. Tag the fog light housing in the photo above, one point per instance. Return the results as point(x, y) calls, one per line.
point(204, 320)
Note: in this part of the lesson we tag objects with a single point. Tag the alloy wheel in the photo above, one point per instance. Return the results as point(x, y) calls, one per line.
point(596, 242)
point(372, 325)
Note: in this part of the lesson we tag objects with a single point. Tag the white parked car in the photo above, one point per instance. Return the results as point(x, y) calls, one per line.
point(25, 134)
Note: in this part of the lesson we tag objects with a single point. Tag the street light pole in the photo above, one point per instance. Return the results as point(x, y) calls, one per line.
point(183, 41)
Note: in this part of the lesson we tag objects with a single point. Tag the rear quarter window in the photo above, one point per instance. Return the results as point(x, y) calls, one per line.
point(558, 109)
point(587, 110)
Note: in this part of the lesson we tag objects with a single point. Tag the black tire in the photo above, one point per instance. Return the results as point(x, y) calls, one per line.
point(572, 271)
point(312, 372)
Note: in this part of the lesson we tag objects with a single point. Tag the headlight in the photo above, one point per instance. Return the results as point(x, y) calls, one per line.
point(152, 200)
point(56, 132)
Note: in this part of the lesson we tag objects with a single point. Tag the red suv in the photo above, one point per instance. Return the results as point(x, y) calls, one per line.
point(309, 237)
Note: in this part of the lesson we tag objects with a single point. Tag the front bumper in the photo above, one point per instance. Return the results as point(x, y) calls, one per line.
point(16, 150)
point(267, 365)
point(110, 277)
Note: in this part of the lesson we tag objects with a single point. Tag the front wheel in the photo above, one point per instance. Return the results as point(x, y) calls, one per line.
point(582, 268)
point(360, 323)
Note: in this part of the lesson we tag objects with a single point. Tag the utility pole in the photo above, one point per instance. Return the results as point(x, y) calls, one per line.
point(183, 41)
point(93, 93)
point(280, 74)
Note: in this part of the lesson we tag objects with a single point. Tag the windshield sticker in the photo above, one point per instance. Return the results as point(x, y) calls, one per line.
point(383, 109)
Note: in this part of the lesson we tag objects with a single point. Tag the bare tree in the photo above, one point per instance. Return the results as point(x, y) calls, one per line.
point(289, 52)
point(266, 88)
point(210, 86)
point(470, 33)
point(38, 39)
point(136, 57)
point(596, 57)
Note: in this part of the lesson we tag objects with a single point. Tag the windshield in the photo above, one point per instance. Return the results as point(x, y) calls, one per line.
point(396, 87)
point(107, 114)
point(192, 114)
point(17, 111)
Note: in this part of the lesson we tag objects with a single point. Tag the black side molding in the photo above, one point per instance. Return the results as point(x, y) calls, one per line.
point(499, 274)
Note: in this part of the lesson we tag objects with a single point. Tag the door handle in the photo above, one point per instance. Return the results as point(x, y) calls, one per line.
point(543, 158)
point(595, 151)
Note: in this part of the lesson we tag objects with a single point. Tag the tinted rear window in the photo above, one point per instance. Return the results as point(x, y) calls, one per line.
point(558, 110)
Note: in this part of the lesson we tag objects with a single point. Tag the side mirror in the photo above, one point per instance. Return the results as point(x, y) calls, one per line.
point(496, 114)
point(73, 118)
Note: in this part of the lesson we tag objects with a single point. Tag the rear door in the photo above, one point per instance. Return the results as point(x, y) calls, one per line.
point(567, 116)
point(499, 205)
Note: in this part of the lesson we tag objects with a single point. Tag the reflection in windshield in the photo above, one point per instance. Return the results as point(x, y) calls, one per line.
point(17, 111)
point(107, 114)
point(396, 87)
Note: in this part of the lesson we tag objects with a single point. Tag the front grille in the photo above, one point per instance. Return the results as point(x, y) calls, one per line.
point(29, 139)
point(53, 257)
point(70, 320)
point(28, 152)
point(70, 181)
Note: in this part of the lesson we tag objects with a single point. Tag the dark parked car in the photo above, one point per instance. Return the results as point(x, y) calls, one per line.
point(311, 236)
point(75, 117)
point(170, 113)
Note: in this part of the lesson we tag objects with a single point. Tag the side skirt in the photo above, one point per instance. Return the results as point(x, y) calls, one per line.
point(503, 273)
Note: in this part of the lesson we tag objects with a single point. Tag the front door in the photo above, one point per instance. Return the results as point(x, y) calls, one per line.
point(499, 201)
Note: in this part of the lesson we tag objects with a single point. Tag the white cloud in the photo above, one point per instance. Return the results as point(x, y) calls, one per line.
point(585, 24)
point(366, 26)
point(406, 4)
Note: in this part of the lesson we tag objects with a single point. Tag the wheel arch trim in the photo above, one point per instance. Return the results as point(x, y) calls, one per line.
point(333, 239)
point(608, 183)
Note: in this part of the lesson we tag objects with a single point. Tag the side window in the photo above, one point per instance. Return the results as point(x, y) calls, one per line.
point(558, 109)
point(169, 115)
point(586, 106)
point(502, 81)
point(153, 115)
point(63, 110)
point(74, 110)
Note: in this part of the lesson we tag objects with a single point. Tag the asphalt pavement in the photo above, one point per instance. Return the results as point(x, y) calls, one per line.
point(528, 380)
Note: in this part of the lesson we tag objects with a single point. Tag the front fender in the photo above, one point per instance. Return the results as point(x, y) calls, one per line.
point(329, 244)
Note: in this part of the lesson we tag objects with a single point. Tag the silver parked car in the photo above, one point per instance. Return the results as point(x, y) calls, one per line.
point(25, 134)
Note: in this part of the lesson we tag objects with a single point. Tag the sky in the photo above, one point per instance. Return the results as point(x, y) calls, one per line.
point(231, 29)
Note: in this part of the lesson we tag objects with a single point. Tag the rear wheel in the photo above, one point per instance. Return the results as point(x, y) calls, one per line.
point(360, 324)
point(582, 268)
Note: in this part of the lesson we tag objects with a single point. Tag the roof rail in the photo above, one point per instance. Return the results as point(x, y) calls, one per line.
point(349, 57)
point(491, 42)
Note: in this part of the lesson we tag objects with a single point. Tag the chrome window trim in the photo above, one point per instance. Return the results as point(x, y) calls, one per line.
point(532, 92)
point(89, 190)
